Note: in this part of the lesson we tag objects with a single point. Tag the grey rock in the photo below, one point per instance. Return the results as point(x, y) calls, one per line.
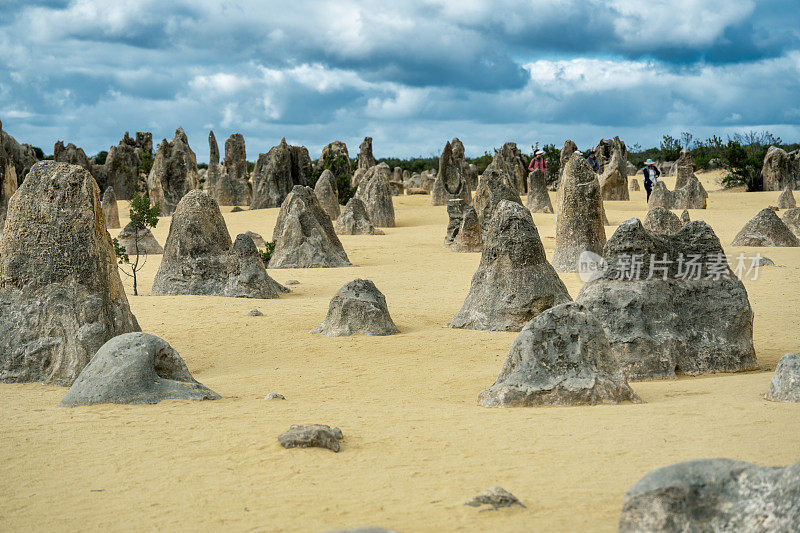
point(410, 191)
point(450, 181)
point(292, 282)
point(374, 192)
point(714, 495)
point(396, 188)
point(493, 187)
point(274, 396)
point(785, 384)
point(605, 151)
point(561, 357)
point(200, 259)
point(312, 435)
point(304, 235)
point(663, 221)
point(110, 209)
point(277, 172)
point(765, 229)
point(228, 184)
point(354, 220)
point(509, 161)
point(538, 197)
point(135, 368)
point(781, 169)
point(667, 168)
point(60, 292)
point(358, 308)
point(71, 155)
point(258, 240)
point(236, 158)
point(514, 282)
point(579, 215)
point(468, 172)
point(786, 199)
point(631, 172)
point(8, 180)
point(469, 237)
point(613, 185)
point(365, 157)
point(455, 213)
point(494, 498)
point(141, 240)
point(20, 157)
point(236, 209)
point(791, 217)
point(691, 196)
point(763, 261)
point(327, 194)
point(692, 316)
point(336, 158)
point(684, 169)
point(254, 312)
point(633, 184)
point(567, 150)
point(174, 173)
point(685, 219)
point(123, 169)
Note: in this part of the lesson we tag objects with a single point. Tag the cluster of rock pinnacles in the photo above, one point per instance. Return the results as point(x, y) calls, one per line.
point(57, 267)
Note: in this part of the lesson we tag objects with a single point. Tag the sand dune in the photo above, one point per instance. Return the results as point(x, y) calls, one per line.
point(416, 445)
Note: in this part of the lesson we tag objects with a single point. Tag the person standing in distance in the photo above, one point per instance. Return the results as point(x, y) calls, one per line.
point(651, 175)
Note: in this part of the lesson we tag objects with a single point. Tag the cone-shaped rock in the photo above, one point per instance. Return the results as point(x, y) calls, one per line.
point(781, 169)
point(685, 219)
point(561, 357)
point(514, 282)
point(765, 229)
point(509, 161)
point(354, 220)
point(327, 194)
point(304, 235)
point(60, 290)
point(135, 368)
point(455, 213)
point(786, 199)
point(670, 303)
point(374, 192)
point(663, 221)
point(358, 308)
point(124, 162)
point(450, 180)
point(110, 209)
point(714, 495)
point(199, 257)
point(614, 185)
point(691, 196)
point(335, 158)
point(276, 172)
point(567, 150)
point(493, 187)
point(229, 184)
point(633, 184)
point(468, 171)
point(685, 169)
point(605, 151)
point(579, 215)
point(791, 217)
point(365, 157)
point(147, 244)
point(174, 173)
point(538, 198)
point(785, 384)
point(469, 238)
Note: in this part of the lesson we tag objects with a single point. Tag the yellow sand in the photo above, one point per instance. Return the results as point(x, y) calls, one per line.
point(416, 444)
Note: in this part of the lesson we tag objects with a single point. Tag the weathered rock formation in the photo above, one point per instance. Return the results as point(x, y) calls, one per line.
point(71, 155)
point(174, 173)
point(354, 220)
point(605, 151)
point(567, 150)
point(8, 179)
point(493, 187)
point(785, 384)
point(455, 213)
point(374, 192)
point(765, 229)
point(509, 161)
point(358, 308)
point(633, 184)
point(685, 168)
point(228, 184)
point(200, 259)
point(135, 368)
point(579, 215)
point(141, 240)
point(495, 498)
point(110, 209)
point(327, 194)
point(662, 221)
point(469, 238)
point(514, 282)
point(781, 169)
point(365, 157)
point(277, 172)
point(13, 154)
point(60, 290)
point(125, 165)
point(786, 199)
point(450, 180)
point(304, 235)
point(538, 197)
point(714, 495)
point(561, 357)
point(670, 303)
point(691, 196)
point(791, 217)
point(311, 436)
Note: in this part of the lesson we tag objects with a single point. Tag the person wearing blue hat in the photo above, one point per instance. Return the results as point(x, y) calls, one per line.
point(651, 175)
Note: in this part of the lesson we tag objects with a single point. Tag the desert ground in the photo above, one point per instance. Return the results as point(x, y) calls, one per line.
point(416, 444)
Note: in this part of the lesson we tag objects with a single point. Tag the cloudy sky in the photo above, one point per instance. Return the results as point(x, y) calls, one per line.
point(410, 75)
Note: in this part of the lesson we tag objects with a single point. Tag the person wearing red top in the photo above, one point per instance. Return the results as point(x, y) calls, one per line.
point(538, 162)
